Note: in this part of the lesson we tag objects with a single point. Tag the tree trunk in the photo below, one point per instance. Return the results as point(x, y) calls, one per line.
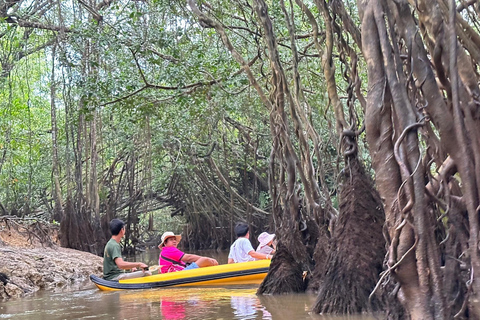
point(406, 97)
point(352, 272)
point(58, 213)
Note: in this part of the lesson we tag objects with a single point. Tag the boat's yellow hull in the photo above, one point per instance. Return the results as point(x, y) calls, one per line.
point(227, 274)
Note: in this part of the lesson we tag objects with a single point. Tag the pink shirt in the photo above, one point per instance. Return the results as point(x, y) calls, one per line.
point(171, 253)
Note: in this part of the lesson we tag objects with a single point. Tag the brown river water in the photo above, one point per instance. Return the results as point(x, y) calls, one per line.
point(240, 302)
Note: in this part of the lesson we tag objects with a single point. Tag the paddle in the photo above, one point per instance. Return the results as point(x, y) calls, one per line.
point(154, 268)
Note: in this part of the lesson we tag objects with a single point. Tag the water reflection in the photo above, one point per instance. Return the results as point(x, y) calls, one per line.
point(169, 304)
point(196, 303)
point(172, 310)
point(248, 307)
point(243, 307)
point(297, 304)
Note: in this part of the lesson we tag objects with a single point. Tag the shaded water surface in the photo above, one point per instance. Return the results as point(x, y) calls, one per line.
point(168, 304)
point(238, 302)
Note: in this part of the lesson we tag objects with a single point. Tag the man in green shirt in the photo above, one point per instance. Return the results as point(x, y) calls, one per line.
point(113, 263)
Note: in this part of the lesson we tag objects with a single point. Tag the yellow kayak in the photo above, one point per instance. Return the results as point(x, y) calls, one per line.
point(252, 272)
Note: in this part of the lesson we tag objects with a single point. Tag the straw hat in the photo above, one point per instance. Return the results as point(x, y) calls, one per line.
point(264, 238)
point(167, 235)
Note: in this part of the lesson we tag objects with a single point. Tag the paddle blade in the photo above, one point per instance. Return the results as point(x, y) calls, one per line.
point(153, 268)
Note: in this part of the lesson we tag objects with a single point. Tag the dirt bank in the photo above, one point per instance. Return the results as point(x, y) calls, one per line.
point(31, 259)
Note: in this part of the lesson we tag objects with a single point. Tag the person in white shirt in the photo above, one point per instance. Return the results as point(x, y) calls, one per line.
point(241, 250)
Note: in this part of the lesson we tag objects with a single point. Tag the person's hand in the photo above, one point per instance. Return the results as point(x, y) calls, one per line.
point(142, 266)
point(214, 262)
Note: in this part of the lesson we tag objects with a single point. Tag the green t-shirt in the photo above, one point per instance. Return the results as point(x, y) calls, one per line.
point(111, 252)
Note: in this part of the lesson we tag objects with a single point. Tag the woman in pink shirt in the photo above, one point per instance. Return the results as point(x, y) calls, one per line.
point(172, 259)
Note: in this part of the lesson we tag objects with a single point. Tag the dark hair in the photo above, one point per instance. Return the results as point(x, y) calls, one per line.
point(116, 226)
point(241, 229)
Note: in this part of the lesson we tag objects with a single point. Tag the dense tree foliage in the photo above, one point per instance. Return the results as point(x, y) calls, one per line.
point(289, 115)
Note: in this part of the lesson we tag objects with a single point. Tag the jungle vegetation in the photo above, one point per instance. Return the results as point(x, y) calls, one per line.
point(350, 129)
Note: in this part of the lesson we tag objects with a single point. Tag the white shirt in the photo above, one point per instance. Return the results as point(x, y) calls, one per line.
point(264, 249)
point(239, 250)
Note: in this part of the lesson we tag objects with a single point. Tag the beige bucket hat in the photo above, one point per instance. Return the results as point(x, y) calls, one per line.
point(167, 235)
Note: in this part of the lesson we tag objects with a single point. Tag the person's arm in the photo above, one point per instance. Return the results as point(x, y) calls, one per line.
point(260, 256)
point(230, 260)
point(199, 260)
point(122, 264)
point(190, 258)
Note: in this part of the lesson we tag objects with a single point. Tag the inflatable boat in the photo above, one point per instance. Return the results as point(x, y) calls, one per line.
point(252, 272)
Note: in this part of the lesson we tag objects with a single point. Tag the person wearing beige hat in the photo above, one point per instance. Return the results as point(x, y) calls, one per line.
point(172, 259)
point(266, 245)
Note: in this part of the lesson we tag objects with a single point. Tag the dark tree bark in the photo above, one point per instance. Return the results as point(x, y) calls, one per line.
point(355, 260)
point(414, 83)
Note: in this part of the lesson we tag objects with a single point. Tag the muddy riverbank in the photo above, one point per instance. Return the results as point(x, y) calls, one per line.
point(28, 263)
